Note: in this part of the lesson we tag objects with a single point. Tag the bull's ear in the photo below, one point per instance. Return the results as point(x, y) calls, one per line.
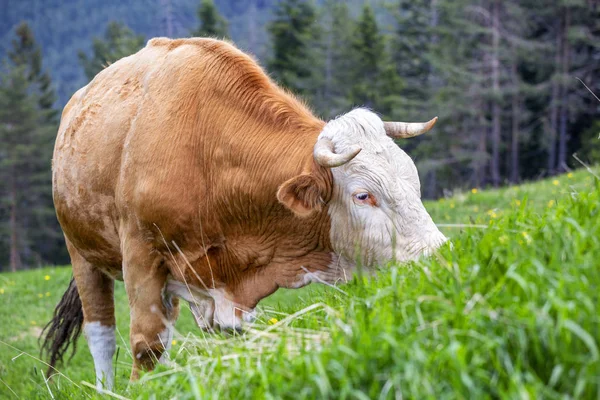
point(302, 195)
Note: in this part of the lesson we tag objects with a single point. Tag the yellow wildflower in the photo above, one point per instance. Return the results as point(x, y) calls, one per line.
point(273, 321)
point(550, 203)
point(173, 342)
point(570, 175)
point(47, 278)
point(474, 190)
point(518, 202)
point(526, 236)
point(1, 290)
point(555, 182)
point(40, 295)
point(33, 322)
point(47, 294)
point(451, 205)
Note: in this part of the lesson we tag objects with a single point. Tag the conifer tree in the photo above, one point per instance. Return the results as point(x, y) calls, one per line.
point(412, 41)
point(212, 24)
point(375, 83)
point(415, 36)
point(28, 126)
point(291, 30)
point(445, 77)
point(26, 52)
point(24, 166)
point(119, 41)
point(332, 62)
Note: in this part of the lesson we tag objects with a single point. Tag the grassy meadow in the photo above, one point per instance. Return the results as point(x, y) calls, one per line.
point(510, 310)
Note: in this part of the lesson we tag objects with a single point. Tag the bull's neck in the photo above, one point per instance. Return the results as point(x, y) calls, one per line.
point(267, 155)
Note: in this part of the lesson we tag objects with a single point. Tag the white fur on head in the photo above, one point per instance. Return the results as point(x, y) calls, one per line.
point(395, 225)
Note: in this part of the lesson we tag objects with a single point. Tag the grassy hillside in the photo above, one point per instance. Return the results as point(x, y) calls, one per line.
point(511, 310)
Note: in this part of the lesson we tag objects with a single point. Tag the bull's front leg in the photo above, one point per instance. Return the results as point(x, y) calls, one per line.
point(153, 311)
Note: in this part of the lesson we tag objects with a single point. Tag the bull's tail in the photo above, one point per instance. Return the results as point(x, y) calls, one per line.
point(63, 329)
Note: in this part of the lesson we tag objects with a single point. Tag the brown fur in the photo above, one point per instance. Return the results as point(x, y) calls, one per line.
point(187, 142)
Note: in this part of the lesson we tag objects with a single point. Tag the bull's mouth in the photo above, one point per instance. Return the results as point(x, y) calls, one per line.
point(213, 309)
point(372, 259)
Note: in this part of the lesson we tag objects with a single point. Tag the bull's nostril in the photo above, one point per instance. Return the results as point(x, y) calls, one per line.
point(436, 242)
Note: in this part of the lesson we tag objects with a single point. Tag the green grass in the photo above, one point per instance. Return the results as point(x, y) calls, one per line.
point(512, 310)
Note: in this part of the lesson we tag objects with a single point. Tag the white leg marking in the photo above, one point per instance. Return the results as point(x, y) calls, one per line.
point(102, 343)
point(166, 337)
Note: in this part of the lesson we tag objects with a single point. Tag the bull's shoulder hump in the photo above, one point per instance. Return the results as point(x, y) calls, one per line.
point(212, 55)
point(218, 66)
point(202, 45)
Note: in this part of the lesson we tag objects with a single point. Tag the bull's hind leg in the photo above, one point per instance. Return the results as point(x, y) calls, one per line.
point(96, 291)
point(152, 309)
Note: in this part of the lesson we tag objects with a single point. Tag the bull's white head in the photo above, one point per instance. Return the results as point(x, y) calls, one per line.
point(375, 207)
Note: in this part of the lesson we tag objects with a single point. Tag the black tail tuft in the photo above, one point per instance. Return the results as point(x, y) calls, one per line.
point(64, 328)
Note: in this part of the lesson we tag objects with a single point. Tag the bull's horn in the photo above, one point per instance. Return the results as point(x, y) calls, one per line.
point(325, 156)
point(402, 130)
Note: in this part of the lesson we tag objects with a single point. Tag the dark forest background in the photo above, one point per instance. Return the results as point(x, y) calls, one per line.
point(507, 78)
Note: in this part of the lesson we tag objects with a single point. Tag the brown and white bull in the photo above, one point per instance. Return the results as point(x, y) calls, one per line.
point(184, 171)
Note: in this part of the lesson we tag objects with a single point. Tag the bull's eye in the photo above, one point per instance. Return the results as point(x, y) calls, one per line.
point(362, 196)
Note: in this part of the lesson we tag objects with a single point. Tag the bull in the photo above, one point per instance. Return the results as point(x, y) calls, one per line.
point(185, 172)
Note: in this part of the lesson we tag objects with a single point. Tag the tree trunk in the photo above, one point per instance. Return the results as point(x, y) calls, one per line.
point(15, 256)
point(495, 166)
point(433, 80)
point(564, 109)
point(481, 161)
point(554, 102)
point(515, 110)
point(431, 184)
